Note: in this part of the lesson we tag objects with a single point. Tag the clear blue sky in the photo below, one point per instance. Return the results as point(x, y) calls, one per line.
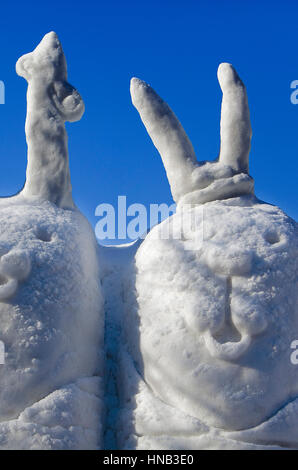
point(176, 46)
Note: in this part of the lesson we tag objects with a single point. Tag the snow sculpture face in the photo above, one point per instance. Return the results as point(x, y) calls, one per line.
point(50, 301)
point(50, 298)
point(217, 306)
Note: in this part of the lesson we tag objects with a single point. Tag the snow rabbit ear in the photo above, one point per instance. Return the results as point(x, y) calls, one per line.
point(51, 102)
point(235, 128)
point(192, 181)
point(68, 101)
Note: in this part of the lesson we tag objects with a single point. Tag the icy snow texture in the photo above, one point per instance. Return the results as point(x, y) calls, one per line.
point(211, 301)
point(51, 304)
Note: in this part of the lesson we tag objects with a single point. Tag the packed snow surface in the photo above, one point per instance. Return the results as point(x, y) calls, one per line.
point(52, 327)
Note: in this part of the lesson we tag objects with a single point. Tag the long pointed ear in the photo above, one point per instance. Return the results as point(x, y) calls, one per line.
point(235, 128)
point(50, 103)
point(167, 135)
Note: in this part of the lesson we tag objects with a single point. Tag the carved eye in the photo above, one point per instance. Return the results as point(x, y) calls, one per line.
point(272, 238)
point(43, 235)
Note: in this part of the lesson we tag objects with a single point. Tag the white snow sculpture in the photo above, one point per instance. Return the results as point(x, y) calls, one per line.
point(51, 308)
point(215, 310)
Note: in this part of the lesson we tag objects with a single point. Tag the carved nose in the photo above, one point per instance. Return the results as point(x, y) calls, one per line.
point(241, 319)
point(15, 266)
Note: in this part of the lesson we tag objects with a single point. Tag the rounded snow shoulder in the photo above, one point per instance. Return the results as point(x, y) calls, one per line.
point(216, 309)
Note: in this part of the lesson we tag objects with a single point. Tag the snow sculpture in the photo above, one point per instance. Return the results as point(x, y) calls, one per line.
point(51, 306)
point(215, 307)
point(191, 181)
point(51, 101)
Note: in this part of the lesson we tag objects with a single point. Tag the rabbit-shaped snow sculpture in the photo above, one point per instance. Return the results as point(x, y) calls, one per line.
point(51, 305)
point(215, 308)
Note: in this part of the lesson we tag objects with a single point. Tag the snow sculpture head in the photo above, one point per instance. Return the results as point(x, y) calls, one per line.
point(217, 313)
point(50, 298)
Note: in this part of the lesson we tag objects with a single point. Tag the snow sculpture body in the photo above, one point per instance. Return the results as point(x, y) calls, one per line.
point(216, 307)
point(50, 300)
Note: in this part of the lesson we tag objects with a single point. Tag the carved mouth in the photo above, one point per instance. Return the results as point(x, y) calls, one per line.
point(229, 351)
point(7, 287)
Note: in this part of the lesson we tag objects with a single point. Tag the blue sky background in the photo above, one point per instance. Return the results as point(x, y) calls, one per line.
point(176, 46)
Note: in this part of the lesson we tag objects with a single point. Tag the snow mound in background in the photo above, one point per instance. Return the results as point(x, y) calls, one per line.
point(52, 324)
